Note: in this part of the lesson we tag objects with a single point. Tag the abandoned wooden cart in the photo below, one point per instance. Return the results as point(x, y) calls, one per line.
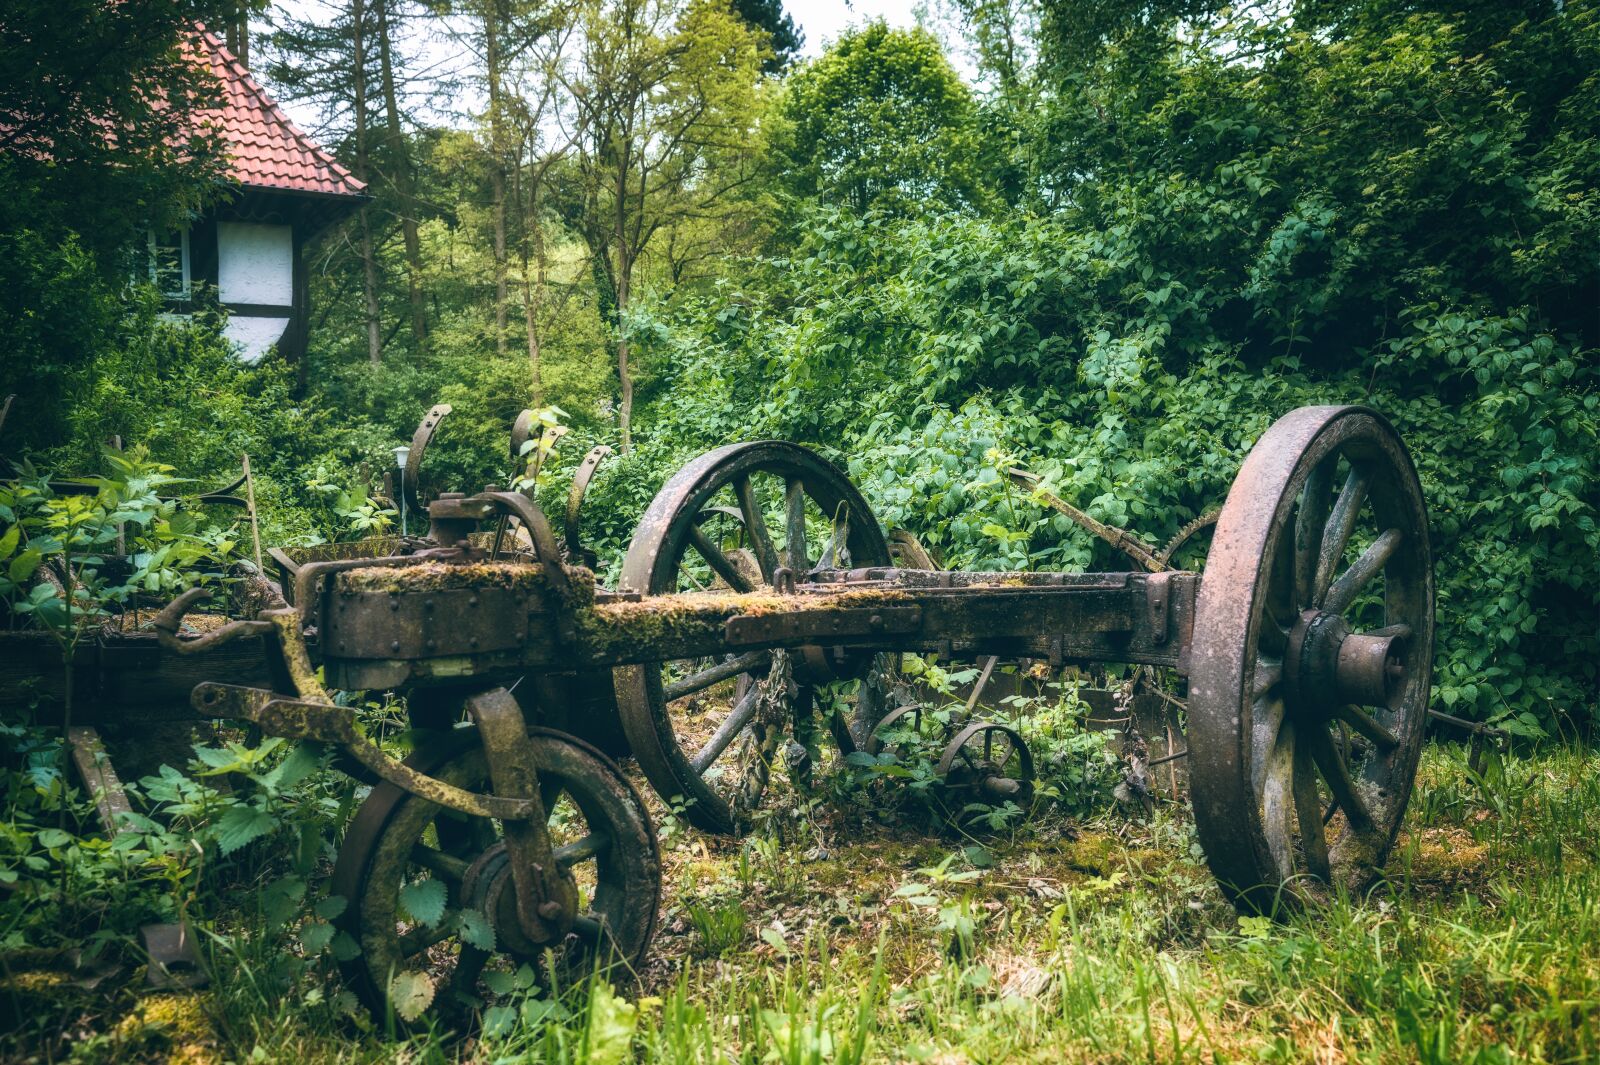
point(1306, 645)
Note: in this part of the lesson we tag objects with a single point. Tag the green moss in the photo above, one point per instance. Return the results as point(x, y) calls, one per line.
point(453, 576)
point(619, 630)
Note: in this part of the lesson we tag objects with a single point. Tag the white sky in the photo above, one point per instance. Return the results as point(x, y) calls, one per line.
point(821, 21)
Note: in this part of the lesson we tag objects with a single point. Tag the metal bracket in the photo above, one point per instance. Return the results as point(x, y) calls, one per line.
point(299, 719)
point(1158, 604)
point(546, 899)
point(175, 961)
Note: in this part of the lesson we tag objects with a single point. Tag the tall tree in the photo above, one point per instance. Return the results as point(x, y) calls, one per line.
point(665, 104)
point(783, 36)
point(494, 25)
point(74, 203)
point(883, 121)
point(541, 146)
point(404, 176)
point(369, 265)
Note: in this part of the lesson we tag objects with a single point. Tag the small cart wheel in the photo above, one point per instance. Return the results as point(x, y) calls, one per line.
point(1311, 660)
point(909, 721)
point(602, 838)
point(990, 763)
point(792, 510)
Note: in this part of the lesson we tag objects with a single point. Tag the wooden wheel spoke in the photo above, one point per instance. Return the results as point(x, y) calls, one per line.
point(1337, 774)
point(1368, 726)
point(731, 726)
point(589, 929)
point(591, 846)
point(438, 862)
point(1282, 586)
point(719, 562)
point(1308, 810)
point(1310, 519)
point(1267, 676)
point(1341, 523)
point(794, 520)
point(836, 554)
point(745, 663)
point(755, 526)
point(1371, 563)
point(418, 940)
point(470, 964)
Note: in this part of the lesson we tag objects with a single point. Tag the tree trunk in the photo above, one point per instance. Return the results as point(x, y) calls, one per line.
point(237, 34)
point(368, 262)
point(624, 284)
point(533, 290)
point(404, 180)
point(497, 172)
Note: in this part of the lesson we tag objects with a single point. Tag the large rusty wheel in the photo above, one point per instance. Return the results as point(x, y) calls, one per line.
point(603, 839)
point(787, 508)
point(1311, 660)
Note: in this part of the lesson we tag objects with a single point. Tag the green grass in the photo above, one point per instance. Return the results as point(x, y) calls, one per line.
point(834, 941)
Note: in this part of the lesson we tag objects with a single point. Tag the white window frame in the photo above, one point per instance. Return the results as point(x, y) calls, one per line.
point(183, 244)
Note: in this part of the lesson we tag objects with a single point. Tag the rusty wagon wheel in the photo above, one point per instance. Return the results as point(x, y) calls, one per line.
point(1311, 660)
point(796, 511)
point(603, 839)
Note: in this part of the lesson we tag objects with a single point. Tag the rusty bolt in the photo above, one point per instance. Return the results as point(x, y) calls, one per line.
point(427, 604)
point(394, 645)
point(473, 601)
point(876, 621)
point(472, 641)
point(394, 603)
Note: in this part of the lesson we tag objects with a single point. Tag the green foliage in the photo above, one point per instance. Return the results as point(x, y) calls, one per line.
point(769, 16)
point(100, 549)
point(881, 120)
point(74, 202)
point(1226, 227)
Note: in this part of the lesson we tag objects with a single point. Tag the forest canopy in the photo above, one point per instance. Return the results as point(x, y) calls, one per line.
point(1132, 238)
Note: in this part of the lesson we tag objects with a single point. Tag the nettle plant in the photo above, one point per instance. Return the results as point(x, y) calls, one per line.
point(70, 560)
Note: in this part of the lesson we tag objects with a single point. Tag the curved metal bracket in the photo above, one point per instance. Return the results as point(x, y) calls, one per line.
point(525, 510)
point(166, 625)
point(411, 482)
point(580, 488)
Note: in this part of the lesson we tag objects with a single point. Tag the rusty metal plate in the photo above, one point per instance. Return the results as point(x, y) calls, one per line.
point(409, 625)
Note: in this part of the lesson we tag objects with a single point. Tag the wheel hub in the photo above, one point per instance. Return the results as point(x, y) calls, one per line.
point(488, 888)
point(1326, 666)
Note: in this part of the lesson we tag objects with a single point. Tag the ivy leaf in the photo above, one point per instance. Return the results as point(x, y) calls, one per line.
point(331, 907)
point(500, 982)
point(475, 929)
point(425, 901)
point(498, 1020)
point(345, 948)
point(218, 759)
point(411, 994)
point(316, 936)
point(23, 565)
point(51, 838)
point(239, 826)
point(280, 900)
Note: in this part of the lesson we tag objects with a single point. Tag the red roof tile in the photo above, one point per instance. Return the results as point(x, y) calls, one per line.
point(265, 149)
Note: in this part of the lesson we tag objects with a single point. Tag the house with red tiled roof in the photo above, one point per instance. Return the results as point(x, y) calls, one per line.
point(249, 252)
